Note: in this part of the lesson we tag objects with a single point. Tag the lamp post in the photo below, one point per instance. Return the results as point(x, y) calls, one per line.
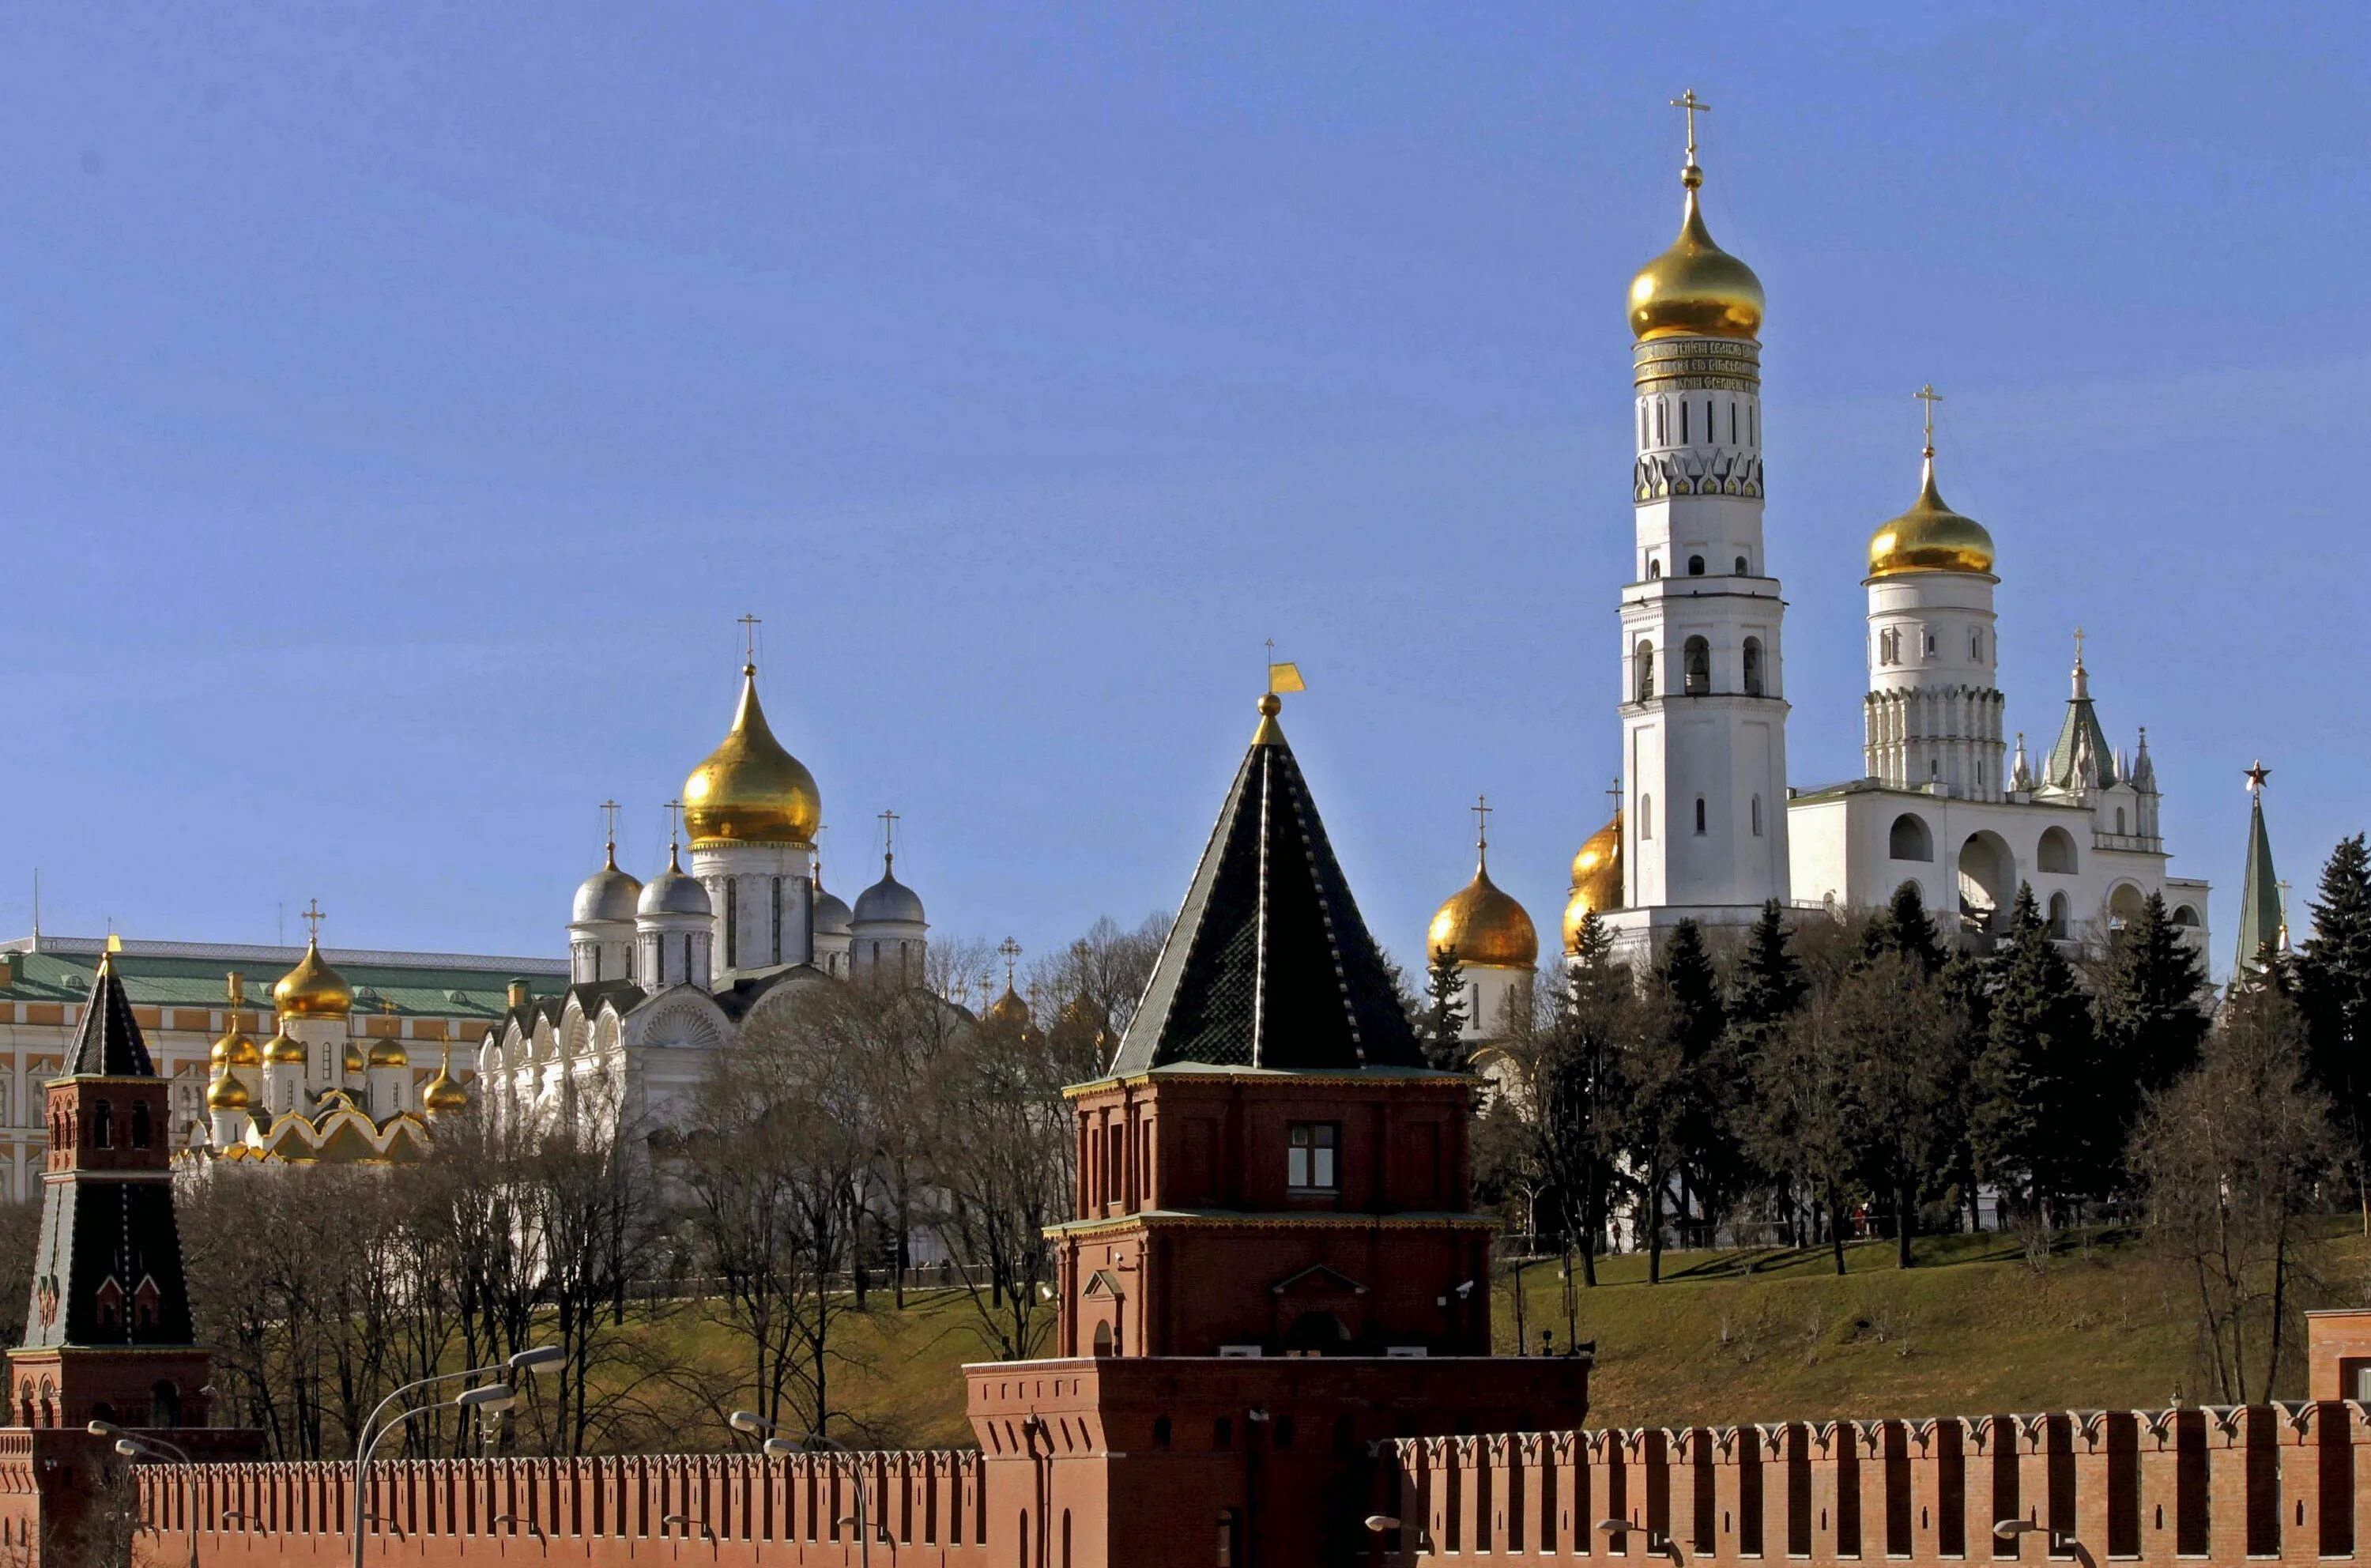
point(2057, 1540)
point(842, 1458)
point(529, 1362)
point(491, 1399)
point(1616, 1529)
point(132, 1448)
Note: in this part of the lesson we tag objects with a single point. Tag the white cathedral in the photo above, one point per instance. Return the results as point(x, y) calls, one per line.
point(665, 973)
point(1708, 826)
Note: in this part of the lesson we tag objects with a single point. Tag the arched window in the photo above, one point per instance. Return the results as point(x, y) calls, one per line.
point(2059, 911)
point(1741, 571)
point(1753, 666)
point(1684, 422)
point(101, 1126)
point(1654, 571)
point(139, 1123)
point(1661, 426)
point(1888, 646)
point(1646, 817)
point(1645, 671)
point(1226, 1558)
point(1700, 816)
point(2056, 852)
point(1695, 666)
point(1757, 816)
point(1695, 566)
point(2120, 819)
point(1976, 645)
point(1909, 839)
point(2185, 916)
point(1065, 1539)
point(1930, 645)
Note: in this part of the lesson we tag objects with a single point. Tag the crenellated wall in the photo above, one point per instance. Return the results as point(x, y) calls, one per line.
point(2283, 1483)
point(704, 1508)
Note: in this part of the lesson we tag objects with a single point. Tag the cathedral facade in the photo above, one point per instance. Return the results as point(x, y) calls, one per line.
point(663, 974)
point(1707, 826)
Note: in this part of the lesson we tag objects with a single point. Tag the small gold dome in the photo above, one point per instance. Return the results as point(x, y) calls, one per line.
point(235, 1050)
point(313, 989)
point(226, 1093)
point(284, 1048)
point(1930, 537)
point(1695, 289)
point(388, 1053)
point(750, 791)
point(354, 1061)
point(1481, 925)
point(1596, 879)
point(1008, 1010)
point(444, 1093)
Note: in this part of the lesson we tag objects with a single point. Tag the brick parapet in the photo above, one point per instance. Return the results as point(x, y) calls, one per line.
point(2285, 1483)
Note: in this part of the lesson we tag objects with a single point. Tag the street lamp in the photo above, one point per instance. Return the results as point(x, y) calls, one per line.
point(785, 1447)
point(132, 1448)
point(1617, 1528)
point(2009, 1530)
point(490, 1398)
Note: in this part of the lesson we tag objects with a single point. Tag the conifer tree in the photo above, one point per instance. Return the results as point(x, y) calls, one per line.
point(1444, 1013)
point(2148, 1009)
point(1903, 926)
point(1669, 1124)
point(2033, 1123)
point(1765, 990)
point(1581, 1091)
point(2333, 984)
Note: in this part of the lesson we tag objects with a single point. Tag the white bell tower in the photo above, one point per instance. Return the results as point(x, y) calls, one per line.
point(1703, 699)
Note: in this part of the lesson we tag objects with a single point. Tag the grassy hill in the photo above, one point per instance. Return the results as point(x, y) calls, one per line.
point(1973, 1328)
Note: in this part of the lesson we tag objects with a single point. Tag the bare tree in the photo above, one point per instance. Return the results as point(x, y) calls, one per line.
point(1003, 1159)
point(2229, 1160)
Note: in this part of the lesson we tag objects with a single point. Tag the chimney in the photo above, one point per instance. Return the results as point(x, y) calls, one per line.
point(518, 993)
point(8, 971)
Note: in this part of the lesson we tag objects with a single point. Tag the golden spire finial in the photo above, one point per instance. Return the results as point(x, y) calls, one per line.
point(1690, 176)
point(1011, 950)
point(1481, 808)
point(313, 916)
point(1928, 395)
point(750, 624)
point(609, 830)
point(2078, 647)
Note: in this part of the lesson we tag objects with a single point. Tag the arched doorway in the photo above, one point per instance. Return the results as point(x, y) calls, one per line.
point(1317, 1334)
point(1987, 883)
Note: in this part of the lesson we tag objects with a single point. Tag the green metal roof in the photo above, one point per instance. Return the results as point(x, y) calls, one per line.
point(178, 981)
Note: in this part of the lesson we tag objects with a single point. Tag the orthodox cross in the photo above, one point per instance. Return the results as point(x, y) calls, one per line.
point(1928, 395)
point(1011, 950)
point(609, 822)
point(1613, 793)
point(888, 835)
point(313, 916)
point(2078, 645)
point(2256, 777)
point(1693, 106)
point(672, 809)
point(1481, 808)
point(750, 624)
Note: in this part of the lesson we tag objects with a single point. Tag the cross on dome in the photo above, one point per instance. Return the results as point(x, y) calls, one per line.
point(313, 916)
point(1691, 106)
point(1928, 395)
point(1481, 808)
point(750, 624)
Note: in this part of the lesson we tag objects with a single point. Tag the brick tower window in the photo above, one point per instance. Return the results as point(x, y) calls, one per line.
point(1309, 1160)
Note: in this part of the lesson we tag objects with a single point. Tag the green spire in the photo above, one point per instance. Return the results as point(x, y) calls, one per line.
point(2081, 754)
point(2261, 919)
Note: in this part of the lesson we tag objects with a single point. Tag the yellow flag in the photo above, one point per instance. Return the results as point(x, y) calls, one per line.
point(1285, 677)
point(115, 944)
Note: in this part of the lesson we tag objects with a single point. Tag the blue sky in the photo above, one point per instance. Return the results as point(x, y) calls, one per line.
point(398, 404)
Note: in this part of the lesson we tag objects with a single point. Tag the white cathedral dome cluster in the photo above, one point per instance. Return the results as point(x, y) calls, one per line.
point(1707, 824)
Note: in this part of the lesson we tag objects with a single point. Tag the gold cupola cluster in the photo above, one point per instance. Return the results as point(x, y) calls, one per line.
point(313, 989)
point(1695, 289)
point(1596, 881)
point(750, 791)
point(1930, 537)
point(1483, 925)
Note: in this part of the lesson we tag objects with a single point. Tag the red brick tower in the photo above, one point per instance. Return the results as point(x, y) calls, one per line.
point(1275, 1259)
point(108, 1336)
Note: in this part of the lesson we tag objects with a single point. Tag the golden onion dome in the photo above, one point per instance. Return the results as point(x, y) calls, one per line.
point(443, 1092)
point(235, 1049)
point(1596, 881)
point(1481, 925)
point(285, 1047)
point(354, 1061)
point(1695, 289)
point(750, 791)
point(1008, 1010)
point(1930, 537)
point(226, 1093)
point(313, 989)
point(385, 1051)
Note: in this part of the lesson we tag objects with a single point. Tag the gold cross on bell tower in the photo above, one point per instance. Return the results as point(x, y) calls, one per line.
point(1928, 395)
point(1693, 106)
point(313, 917)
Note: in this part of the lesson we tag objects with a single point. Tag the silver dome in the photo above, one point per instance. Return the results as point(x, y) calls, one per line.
point(608, 895)
point(673, 893)
point(888, 899)
point(831, 916)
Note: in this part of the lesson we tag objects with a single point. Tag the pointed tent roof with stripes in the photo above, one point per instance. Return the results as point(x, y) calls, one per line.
point(109, 1044)
point(2262, 924)
point(1268, 964)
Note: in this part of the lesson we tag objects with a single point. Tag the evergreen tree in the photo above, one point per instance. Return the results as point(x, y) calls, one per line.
point(1765, 990)
point(2034, 1128)
point(1965, 987)
point(2333, 985)
point(2148, 1007)
point(1671, 1128)
point(1905, 1050)
point(1581, 1092)
point(1903, 926)
point(1444, 1013)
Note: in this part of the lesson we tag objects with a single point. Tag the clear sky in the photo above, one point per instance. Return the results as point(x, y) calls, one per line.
point(398, 403)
